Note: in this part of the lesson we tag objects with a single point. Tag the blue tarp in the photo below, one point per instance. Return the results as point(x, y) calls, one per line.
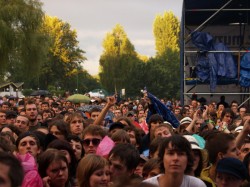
point(161, 109)
point(245, 71)
point(211, 66)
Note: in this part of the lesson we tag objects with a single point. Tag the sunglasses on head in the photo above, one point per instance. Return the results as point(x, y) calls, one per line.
point(95, 142)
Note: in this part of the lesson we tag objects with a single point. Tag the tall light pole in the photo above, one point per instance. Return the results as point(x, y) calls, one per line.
point(77, 78)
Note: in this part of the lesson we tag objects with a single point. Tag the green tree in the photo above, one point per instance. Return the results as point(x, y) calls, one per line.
point(64, 58)
point(22, 44)
point(163, 71)
point(117, 61)
point(166, 32)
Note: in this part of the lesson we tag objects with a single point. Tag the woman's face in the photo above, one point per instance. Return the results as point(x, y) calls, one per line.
point(175, 161)
point(77, 147)
point(196, 156)
point(100, 177)
point(28, 145)
point(58, 173)
point(76, 126)
point(56, 132)
point(140, 107)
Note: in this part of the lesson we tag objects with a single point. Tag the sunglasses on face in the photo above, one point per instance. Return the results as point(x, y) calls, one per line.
point(95, 142)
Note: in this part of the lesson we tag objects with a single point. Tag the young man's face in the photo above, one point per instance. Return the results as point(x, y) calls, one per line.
point(117, 168)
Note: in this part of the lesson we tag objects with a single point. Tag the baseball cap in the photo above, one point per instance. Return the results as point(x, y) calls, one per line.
point(232, 166)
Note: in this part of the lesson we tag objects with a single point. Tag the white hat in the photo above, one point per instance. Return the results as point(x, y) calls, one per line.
point(186, 120)
point(192, 141)
point(238, 129)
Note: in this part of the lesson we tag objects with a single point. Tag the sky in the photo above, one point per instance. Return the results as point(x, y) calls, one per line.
point(93, 19)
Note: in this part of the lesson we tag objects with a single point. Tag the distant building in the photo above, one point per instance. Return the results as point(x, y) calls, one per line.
point(11, 89)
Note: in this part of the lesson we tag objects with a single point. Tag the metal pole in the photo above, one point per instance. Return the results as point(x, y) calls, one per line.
point(210, 18)
point(211, 93)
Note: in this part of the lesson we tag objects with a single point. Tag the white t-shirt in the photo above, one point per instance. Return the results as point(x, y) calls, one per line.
point(188, 181)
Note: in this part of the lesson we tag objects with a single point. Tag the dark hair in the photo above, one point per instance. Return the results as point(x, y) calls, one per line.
point(155, 118)
point(13, 128)
point(127, 154)
point(246, 162)
point(61, 126)
point(138, 137)
point(65, 145)
point(150, 165)
point(15, 173)
point(76, 139)
point(94, 109)
point(218, 142)
point(47, 157)
point(25, 134)
point(227, 111)
point(154, 145)
point(180, 143)
point(4, 144)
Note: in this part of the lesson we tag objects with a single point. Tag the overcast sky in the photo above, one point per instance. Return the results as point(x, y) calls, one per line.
point(92, 19)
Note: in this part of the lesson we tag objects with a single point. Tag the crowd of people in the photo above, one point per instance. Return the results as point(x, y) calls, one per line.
point(53, 142)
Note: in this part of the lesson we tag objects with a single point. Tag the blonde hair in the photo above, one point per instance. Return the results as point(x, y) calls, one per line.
point(87, 166)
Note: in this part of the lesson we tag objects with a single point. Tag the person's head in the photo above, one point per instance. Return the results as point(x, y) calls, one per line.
point(75, 121)
point(117, 113)
point(227, 116)
point(76, 144)
point(5, 106)
point(93, 171)
point(28, 142)
point(11, 170)
point(244, 149)
point(94, 113)
point(176, 149)
point(31, 110)
point(246, 162)
point(134, 135)
point(65, 147)
point(123, 159)
point(2, 117)
point(197, 155)
point(221, 145)
point(242, 111)
point(59, 129)
point(91, 138)
point(184, 122)
point(54, 164)
point(115, 126)
point(120, 136)
point(45, 105)
point(163, 130)
point(230, 172)
point(151, 168)
point(22, 123)
point(47, 114)
point(11, 117)
point(154, 121)
point(5, 145)
point(154, 147)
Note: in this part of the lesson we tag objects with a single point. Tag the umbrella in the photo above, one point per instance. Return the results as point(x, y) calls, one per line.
point(40, 92)
point(79, 98)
